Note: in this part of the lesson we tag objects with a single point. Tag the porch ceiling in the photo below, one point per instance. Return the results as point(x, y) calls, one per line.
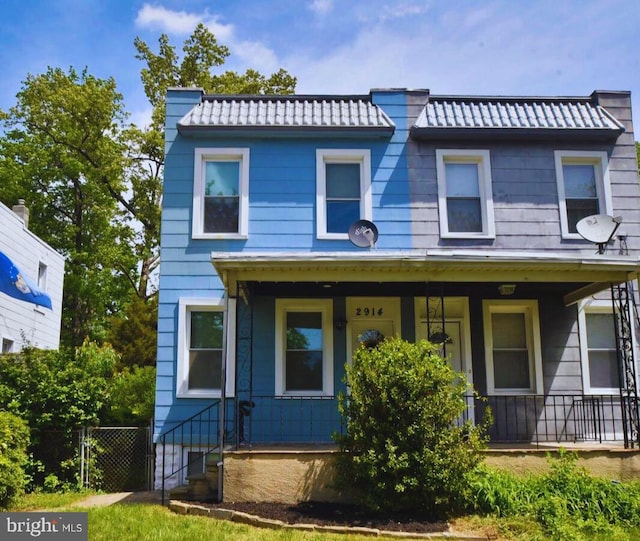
point(594, 272)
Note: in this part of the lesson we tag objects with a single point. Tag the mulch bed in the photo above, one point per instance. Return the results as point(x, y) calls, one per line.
point(334, 514)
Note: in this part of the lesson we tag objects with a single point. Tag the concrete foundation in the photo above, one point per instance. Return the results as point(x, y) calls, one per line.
point(294, 475)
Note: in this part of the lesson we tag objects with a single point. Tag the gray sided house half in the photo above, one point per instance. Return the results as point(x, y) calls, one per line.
point(263, 297)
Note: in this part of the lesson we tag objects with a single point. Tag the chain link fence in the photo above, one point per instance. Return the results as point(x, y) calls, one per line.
point(117, 459)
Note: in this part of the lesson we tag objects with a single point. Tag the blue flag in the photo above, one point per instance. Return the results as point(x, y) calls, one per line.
point(15, 284)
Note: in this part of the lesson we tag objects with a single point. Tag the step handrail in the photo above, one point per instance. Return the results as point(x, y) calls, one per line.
point(209, 440)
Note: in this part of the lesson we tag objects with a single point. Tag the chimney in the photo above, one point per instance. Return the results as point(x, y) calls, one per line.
point(22, 212)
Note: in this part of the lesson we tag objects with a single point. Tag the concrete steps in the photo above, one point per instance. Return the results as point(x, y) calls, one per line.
point(200, 487)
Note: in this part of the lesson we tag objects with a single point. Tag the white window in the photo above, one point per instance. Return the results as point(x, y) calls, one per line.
point(221, 193)
point(7, 345)
point(598, 348)
point(343, 193)
point(465, 198)
point(512, 347)
point(304, 347)
point(42, 276)
point(202, 334)
point(583, 187)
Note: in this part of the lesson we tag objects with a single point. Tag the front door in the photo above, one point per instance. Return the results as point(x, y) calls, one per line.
point(370, 320)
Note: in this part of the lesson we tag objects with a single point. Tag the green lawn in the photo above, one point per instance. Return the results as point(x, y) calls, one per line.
point(148, 522)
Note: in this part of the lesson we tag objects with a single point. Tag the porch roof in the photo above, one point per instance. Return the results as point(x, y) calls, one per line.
point(596, 271)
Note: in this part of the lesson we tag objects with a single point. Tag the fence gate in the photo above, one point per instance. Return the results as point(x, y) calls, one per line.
point(116, 459)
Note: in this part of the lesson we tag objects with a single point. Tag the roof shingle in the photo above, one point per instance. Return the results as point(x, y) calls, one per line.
point(289, 112)
point(462, 113)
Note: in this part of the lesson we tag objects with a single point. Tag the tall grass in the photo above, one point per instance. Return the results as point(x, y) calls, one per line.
point(567, 502)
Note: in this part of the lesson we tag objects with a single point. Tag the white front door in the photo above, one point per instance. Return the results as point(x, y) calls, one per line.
point(371, 319)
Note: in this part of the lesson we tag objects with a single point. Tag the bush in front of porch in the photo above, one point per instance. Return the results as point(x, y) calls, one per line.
point(406, 447)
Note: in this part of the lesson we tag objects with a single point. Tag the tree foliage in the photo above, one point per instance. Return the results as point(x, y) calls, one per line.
point(63, 154)
point(55, 393)
point(14, 438)
point(405, 447)
point(201, 54)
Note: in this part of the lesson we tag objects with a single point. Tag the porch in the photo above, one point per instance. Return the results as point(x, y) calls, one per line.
point(271, 437)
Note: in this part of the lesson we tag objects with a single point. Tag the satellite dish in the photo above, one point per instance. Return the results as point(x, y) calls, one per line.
point(363, 233)
point(598, 228)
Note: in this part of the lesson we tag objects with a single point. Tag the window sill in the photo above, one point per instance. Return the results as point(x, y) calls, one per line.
point(484, 236)
point(333, 236)
point(307, 395)
point(219, 236)
point(203, 394)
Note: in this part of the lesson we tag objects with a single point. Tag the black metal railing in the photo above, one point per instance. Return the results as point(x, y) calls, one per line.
point(530, 419)
point(199, 432)
point(550, 418)
point(268, 419)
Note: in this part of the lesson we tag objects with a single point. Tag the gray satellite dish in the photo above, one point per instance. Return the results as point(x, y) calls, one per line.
point(363, 233)
point(599, 229)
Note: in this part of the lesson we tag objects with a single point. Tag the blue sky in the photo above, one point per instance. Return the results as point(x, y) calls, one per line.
point(499, 47)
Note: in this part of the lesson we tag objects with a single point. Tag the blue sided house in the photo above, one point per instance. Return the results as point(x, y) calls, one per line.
point(295, 228)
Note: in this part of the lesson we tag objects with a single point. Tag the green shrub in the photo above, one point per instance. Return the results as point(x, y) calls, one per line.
point(14, 439)
point(56, 393)
point(404, 447)
point(568, 502)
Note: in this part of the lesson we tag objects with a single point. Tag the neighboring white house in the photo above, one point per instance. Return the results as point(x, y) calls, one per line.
point(23, 323)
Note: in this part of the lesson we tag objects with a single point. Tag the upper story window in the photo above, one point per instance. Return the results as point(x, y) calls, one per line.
point(465, 198)
point(42, 276)
point(512, 347)
point(583, 187)
point(304, 345)
point(343, 193)
point(221, 193)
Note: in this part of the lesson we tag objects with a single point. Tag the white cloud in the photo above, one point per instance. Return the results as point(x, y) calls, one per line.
point(255, 55)
point(175, 22)
point(321, 7)
point(252, 53)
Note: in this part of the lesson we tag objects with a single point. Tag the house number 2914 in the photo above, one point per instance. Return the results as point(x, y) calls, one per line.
point(366, 311)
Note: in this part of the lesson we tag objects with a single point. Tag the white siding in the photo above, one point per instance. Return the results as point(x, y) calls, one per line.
point(22, 322)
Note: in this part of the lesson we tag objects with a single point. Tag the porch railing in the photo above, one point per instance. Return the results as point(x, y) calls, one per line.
point(553, 418)
point(530, 419)
point(199, 432)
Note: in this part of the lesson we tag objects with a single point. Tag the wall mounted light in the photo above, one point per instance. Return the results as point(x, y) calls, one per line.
point(507, 289)
point(340, 324)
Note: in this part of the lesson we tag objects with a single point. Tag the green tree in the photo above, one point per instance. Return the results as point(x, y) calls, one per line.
point(405, 447)
point(134, 332)
point(56, 392)
point(131, 397)
point(62, 152)
point(201, 54)
point(14, 436)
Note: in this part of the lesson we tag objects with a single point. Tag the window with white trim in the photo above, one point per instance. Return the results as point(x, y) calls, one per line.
point(221, 193)
point(201, 347)
point(343, 192)
point(583, 187)
point(512, 346)
point(598, 348)
point(465, 198)
point(7, 345)
point(42, 276)
point(304, 347)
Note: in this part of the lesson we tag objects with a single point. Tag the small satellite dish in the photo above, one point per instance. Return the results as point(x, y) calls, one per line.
point(599, 229)
point(363, 233)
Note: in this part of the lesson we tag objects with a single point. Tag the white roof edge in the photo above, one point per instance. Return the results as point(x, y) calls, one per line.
point(13, 216)
point(420, 255)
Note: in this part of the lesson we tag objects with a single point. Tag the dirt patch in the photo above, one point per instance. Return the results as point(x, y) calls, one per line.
point(334, 514)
